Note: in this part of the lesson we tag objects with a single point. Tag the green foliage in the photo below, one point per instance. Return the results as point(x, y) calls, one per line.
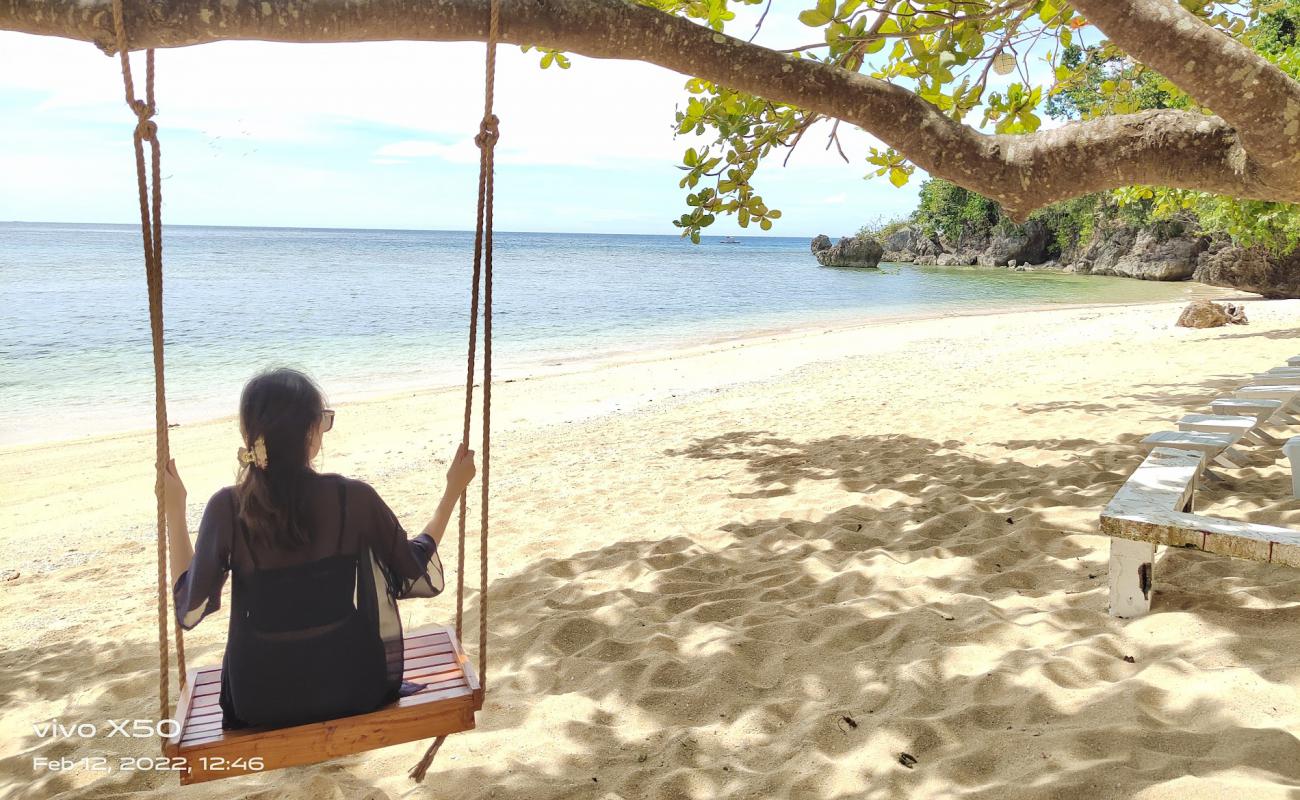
point(1273, 226)
point(1276, 36)
point(952, 54)
point(880, 228)
point(745, 129)
point(949, 210)
point(1100, 81)
point(549, 56)
point(945, 209)
point(1069, 223)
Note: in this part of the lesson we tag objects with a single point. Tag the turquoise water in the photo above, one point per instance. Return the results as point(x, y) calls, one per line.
point(374, 311)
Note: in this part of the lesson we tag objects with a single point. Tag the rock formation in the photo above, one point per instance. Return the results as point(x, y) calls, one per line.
point(856, 251)
point(1204, 314)
point(1250, 269)
point(1151, 254)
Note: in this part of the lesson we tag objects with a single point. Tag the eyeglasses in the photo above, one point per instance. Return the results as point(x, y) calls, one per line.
point(326, 420)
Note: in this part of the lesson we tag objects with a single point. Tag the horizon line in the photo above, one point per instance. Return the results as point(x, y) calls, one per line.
point(402, 230)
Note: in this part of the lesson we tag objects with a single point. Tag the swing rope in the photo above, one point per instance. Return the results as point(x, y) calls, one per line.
point(150, 190)
point(489, 133)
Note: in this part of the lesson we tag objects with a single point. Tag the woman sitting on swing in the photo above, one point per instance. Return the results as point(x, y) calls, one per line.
point(319, 562)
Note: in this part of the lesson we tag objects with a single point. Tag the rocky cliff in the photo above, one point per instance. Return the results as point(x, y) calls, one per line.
point(1155, 253)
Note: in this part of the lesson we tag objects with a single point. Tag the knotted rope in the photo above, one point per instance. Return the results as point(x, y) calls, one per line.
point(489, 133)
point(150, 190)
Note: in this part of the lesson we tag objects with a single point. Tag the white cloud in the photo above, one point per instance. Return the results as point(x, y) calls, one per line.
point(303, 93)
point(392, 118)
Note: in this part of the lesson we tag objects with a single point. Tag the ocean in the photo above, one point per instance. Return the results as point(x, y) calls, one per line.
point(371, 312)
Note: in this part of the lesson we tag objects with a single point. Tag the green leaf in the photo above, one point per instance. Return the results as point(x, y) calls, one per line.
point(814, 18)
point(897, 176)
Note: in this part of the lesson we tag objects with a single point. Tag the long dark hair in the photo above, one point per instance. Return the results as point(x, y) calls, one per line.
point(281, 406)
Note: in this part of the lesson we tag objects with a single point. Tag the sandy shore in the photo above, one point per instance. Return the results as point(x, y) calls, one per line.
point(760, 570)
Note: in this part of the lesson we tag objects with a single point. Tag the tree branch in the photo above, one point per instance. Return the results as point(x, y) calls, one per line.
point(1261, 101)
point(1169, 148)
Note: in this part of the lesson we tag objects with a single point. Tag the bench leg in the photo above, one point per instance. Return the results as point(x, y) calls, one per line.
point(1292, 453)
point(1283, 416)
point(1131, 566)
point(1225, 460)
point(1264, 438)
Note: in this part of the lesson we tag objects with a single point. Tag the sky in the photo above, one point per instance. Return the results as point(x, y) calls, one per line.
point(380, 135)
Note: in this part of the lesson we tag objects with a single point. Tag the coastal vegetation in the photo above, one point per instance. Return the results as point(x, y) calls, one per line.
point(1081, 232)
point(1209, 238)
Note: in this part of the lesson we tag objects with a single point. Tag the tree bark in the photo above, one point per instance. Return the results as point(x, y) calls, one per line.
point(1023, 173)
point(1261, 101)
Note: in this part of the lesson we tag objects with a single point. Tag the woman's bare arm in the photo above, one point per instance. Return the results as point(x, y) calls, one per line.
point(459, 475)
point(178, 534)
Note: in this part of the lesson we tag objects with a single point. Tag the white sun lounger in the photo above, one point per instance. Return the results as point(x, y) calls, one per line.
point(1275, 379)
point(1154, 507)
point(1260, 409)
point(1211, 446)
point(1284, 392)
point(1245, 426)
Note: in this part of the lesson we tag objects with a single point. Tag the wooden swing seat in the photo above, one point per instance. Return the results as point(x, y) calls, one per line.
point(446, 705)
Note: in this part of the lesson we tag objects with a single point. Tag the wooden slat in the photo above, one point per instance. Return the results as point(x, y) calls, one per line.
point(182, 712)
point(427, 639)
point(431, 696)
point(445, 706)
point(1165, 480)
point(1247, 540)
point(1212, 443)
point(438, 672)
point(207, 675)
point(1149, 508)
point(429, 661)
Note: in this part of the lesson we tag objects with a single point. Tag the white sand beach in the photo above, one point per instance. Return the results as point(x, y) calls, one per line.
point(759, 570)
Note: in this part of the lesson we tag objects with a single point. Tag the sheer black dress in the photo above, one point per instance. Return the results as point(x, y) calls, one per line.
point(314, 632)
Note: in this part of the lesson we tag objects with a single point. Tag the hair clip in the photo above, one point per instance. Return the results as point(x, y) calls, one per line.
point(256, 456)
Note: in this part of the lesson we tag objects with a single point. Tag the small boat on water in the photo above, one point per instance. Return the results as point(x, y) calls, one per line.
point(728, 240)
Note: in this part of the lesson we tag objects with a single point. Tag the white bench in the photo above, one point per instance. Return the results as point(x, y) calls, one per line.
point(1284, 393)
point(1262, 410)
point(1243, 426)
point(1275, 379)
point(1213, 446)
point(1154, 507)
